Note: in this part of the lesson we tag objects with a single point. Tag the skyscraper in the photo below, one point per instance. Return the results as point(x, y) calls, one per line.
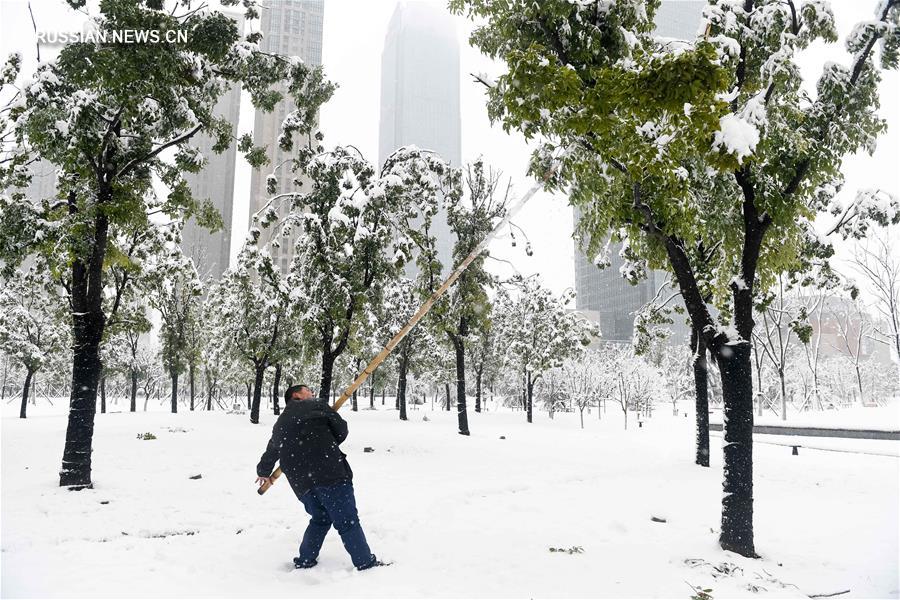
point(420, 93)
point(215, 182)
point(291, 28)
point(604, 292)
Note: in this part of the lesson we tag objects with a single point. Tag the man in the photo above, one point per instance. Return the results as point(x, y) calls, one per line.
point(305, 441)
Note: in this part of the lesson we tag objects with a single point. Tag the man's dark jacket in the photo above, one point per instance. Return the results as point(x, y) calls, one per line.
point(305, 441)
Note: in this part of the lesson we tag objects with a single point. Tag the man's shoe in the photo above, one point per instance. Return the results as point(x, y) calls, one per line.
point(375, 563)
point(304, 564)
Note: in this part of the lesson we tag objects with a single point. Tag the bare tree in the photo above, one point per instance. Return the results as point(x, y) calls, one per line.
point(784, 321)
point(853, 326)
point(878, 261)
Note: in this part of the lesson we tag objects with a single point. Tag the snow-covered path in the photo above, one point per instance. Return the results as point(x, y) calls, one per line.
point(459, 516)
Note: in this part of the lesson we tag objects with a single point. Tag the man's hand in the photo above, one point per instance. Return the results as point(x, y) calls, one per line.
point(263, 480)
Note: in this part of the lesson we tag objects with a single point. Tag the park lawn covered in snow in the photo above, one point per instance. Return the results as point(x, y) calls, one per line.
point(460, 516)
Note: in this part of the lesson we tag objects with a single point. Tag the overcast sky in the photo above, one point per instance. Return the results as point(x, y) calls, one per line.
point(354, 33)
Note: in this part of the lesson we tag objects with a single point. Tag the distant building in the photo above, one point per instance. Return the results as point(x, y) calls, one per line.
point(291, 28)
point(604, 292)
point(420, 93)
point(215, 182)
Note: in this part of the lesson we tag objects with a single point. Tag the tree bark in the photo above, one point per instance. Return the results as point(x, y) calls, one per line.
point(191, 383)
point(29, 374)
point(372, 397)
point(174, 377)
point(529, 389)
point(401, 386)
point(276, 408)
point(701, 382)
point(87, 331)
point(461, 414)
point(257, 392)
point(737, 502)
point(134, 388)
point(478, 390)
point(102, 393)
point(447, 392)
point(327, 369)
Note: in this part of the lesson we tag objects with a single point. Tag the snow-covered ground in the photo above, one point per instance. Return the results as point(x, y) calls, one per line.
point(880, 418)
point(460, 516)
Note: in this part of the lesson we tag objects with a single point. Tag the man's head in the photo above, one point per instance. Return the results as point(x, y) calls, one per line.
point(298, 392)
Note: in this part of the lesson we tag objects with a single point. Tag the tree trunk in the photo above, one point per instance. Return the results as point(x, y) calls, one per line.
point(134, 388)
point(461, 414)
point(737, 501)
point(372, 397)
point(447, 390)
point(29, 374)
point(327, 369)
point(210, 390)
point(87, 331)
point(354, 405)
point(257, 392)
point(276, 408)
point(382, 396)
point(529, 389)
point(249, 385)
point(191, 383)
point(859, 383)
point(401, 387)
point(783, 395)
point(478, 390)
point(701, 390)
point(102, 393)
point(174, 376)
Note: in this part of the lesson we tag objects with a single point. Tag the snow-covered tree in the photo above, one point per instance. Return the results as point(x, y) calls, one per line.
point(465, 309)
point(701, 150)
point(33, 324)
point(357, 233)
point(878, 262)
point(538, 332)
point(784, 321)
point(121, 351)
point(175, 292)
point(113, 117)
point(256, 315)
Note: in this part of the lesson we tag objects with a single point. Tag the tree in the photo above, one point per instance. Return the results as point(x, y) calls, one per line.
point(176, 293)
point(693, 149)
point(256, 316)
point(32, 323)
point(854, 326)
point(466, 308)
point(783, 317)
point(122, 349)
point(583, 381)
point(878, 262)
point(111, 125)
point(538, 333)
point(357, 234)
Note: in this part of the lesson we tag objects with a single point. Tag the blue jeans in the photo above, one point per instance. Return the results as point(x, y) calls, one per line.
point(333, 505)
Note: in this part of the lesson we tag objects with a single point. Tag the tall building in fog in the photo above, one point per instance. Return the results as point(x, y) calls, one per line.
point(291, 28)
point(215, 182)
point(604, 293)
point(420, 92)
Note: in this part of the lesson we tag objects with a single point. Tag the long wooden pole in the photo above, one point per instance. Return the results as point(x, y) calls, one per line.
point(423, 310)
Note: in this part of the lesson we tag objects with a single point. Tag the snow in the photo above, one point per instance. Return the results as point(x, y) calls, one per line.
point(737, 136)
point(460, 516)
